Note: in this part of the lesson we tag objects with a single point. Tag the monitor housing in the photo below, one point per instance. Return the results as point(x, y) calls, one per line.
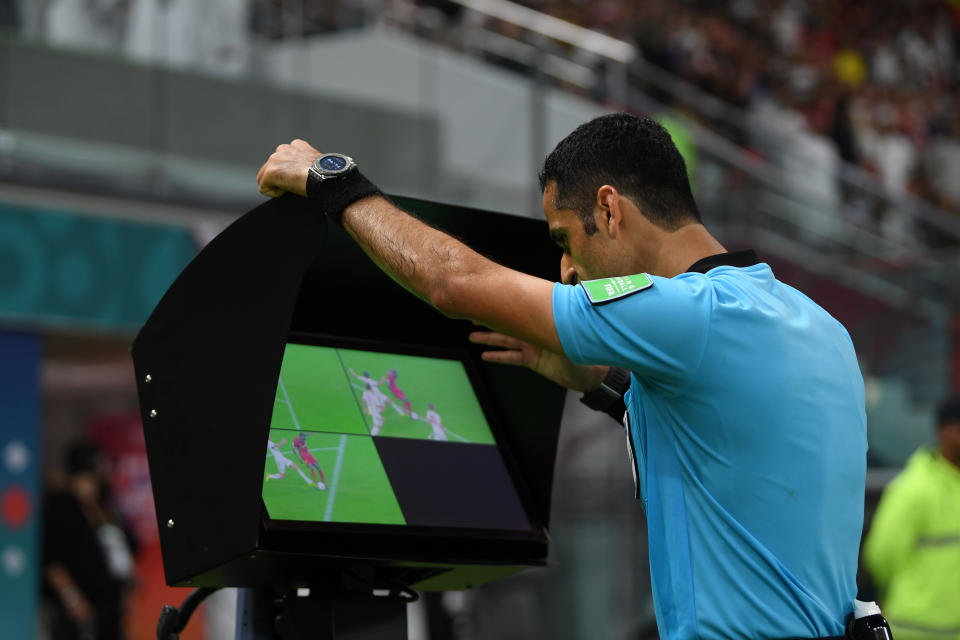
point(208, 365)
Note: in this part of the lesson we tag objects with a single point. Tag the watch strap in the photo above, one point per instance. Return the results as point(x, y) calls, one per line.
point(608, 397)
point(337, 193)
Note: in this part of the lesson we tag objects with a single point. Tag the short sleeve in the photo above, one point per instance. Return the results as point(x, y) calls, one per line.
point(658, 333)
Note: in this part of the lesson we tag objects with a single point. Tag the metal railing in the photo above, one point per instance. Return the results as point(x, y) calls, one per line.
point(549, 46)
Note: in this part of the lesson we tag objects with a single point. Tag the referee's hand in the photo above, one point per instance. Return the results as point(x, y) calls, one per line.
point(286, 170)
point(550, 365)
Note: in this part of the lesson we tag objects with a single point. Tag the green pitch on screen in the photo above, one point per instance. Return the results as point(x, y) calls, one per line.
point(357, 486)
point(314, 393)
point(424, 380)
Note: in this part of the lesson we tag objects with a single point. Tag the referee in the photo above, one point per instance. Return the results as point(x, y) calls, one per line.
point(744, 401)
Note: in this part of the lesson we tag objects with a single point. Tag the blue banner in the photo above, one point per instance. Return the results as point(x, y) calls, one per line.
point(19, 484)
point(58, 268)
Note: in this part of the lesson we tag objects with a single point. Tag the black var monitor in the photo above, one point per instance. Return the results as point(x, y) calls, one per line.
point(310, 423)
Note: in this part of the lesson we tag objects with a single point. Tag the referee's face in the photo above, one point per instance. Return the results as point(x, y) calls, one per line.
point(583, 254)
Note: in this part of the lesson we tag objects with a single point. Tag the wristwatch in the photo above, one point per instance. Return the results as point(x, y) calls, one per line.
point(330, 166)
point(610, 392)
point(335, 182)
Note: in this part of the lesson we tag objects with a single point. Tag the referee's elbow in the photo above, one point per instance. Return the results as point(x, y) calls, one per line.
point(450, 296)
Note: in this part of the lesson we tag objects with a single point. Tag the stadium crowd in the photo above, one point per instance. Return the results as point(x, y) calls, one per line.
point(879, 80)
point(875, 85)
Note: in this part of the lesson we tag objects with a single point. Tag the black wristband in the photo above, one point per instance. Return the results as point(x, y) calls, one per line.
point(608, 397)
point(617, 411)
point(336, 194)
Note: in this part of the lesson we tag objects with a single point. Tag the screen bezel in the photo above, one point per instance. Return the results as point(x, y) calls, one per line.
point(494, 421)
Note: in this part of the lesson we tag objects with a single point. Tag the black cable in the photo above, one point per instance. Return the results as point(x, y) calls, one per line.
point(172, 620)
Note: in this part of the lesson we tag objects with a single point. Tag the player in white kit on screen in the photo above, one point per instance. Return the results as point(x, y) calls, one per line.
point(433, 419)
point(375, 401)
point(374, 385)
point(283, 462)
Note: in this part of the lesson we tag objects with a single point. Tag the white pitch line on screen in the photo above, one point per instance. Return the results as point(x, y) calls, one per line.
point(286, 397)
point(336, 478)
point(457, 436)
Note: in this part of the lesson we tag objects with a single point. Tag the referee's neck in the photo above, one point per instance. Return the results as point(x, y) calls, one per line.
point(681, 248)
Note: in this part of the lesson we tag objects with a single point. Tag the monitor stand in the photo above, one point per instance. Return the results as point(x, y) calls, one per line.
point(268, 615)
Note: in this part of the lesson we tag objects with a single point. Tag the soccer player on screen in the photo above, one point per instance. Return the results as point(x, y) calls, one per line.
point(300, 444)
point(283, 462)
point(366, 378)
point(397, 391)
point(375, 401)
point(374, 386)
point(433, 419)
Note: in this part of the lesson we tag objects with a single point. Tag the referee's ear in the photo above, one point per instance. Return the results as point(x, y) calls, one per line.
point(610, 210)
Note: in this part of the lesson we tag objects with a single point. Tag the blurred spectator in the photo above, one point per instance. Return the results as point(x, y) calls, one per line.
point(93, 24)
point(280, 19)
point(87, 557)
point(451, 11)
point(885, 75)
point(850, 67)
point(887, 147)
point(212, 35)
point(841, 129)
point(679, 130)
point(942, 164)
point(912, 550)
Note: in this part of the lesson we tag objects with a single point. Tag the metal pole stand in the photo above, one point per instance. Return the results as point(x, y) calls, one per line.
point(269, 615)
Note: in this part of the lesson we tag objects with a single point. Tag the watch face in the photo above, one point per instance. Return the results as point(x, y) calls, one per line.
point(333, 163)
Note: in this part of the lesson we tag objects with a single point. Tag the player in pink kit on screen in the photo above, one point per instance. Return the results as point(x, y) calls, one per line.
point(300, 444)
point(283, 462)
point(397, 391)
point(374, 385)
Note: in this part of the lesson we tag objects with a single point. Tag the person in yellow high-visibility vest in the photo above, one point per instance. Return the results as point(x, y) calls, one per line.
point(913, 547)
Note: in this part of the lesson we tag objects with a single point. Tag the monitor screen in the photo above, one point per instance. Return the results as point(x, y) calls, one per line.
point(381, 436)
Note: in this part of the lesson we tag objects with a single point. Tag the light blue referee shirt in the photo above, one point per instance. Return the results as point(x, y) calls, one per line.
point(747, 423)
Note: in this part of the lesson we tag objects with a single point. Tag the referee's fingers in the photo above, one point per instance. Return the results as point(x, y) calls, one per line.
point(495, 339)
point(505, 357)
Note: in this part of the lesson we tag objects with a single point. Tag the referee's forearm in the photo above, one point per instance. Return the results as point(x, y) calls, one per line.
point(425, 261)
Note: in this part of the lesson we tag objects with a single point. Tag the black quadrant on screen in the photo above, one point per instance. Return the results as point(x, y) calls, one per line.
point(451, 484)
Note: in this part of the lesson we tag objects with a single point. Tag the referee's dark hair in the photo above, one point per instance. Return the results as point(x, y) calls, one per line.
point(949, 412)
point(632, 154)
